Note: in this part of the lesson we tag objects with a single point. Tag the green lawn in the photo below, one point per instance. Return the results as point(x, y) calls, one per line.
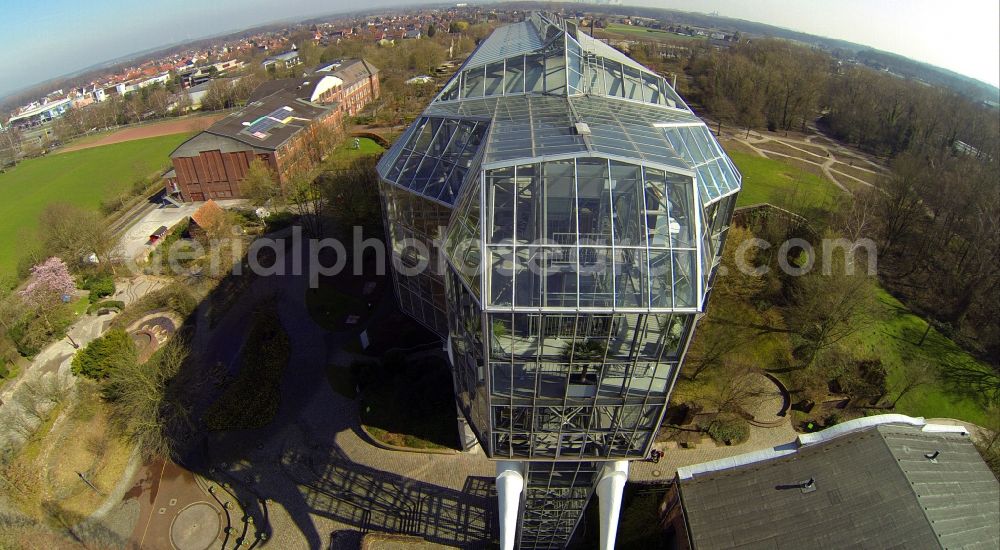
point(651, 34)
point(894, 339)
point(346, 151)
point(783, 185)
point(84, 178)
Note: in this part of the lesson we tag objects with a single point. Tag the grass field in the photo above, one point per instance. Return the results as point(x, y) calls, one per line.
point(779, 183)
point(83, 178)
point(895, 339)
point(649, 34)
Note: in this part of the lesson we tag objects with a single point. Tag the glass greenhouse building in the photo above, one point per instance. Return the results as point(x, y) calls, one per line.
point(557, 214)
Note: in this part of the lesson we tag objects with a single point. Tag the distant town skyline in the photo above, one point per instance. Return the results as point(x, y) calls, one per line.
point(62, 37)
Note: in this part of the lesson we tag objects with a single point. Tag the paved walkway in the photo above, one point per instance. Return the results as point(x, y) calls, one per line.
point(135, 241)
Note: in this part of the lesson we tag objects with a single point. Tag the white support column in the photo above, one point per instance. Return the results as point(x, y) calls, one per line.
point(609, 493)
point(510, 484)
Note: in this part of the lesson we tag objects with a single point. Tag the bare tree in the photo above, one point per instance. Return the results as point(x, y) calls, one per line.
point(260, 185)
point(914, 375)
point(827, 308)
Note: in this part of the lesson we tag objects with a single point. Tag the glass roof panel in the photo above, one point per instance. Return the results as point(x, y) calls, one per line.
point(505, 42)
point(587, 200)
point(435, 157)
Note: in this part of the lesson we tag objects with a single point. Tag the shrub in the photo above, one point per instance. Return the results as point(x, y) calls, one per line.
point(175, 297)
point(105, 355)
point(144, 407)
point(731, 430)
point(100, 286)
point(106, 304)
point(251, 400)
point(33, 332)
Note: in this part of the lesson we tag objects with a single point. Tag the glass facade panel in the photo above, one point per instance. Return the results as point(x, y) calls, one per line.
point(594, 185)
point(534, 73)
point(555, 70)
point(633, 84)
point(472, 82)
point(596, 278)
point(613, 78)
point(494, 78)
point(575, 265)
point(513, 80)
point(629, 206)
point(574, 65)
point(501, 276)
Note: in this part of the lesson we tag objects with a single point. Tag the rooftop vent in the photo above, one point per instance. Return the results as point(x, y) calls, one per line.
point(932, 456)
point(582, 128)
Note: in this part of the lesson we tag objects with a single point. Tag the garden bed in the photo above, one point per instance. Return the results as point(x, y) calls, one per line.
point(409, 403)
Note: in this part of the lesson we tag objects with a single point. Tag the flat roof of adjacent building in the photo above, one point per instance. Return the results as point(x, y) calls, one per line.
point(264, 124)
point(883, 486)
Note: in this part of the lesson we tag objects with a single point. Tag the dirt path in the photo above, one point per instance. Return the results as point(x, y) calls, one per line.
point(834, 154)
point(153, 129)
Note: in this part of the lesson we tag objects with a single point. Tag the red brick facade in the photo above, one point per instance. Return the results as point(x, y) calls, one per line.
point(213, 174)
point(355, 97)
point(212, 164)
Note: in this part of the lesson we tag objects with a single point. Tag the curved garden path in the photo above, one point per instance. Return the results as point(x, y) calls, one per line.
point(826, 163)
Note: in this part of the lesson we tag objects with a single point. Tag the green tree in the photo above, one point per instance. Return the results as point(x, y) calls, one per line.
point(113, 351)
point(351, 194)
point(147, 403)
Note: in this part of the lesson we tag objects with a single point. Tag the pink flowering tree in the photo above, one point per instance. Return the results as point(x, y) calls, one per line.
point(49, 281)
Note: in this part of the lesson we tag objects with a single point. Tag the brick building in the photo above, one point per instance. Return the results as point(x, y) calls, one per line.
point(286, 129)
point(359, 83)
point(279, 125)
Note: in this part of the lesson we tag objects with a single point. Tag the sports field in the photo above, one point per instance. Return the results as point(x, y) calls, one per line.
point(188, 124)
point(83, 178)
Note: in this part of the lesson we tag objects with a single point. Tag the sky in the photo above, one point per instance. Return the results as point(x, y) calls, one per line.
point(48, 39)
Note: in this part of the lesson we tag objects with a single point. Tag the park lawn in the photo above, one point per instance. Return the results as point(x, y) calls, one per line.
point(894, 339)
point(345, 151)
point(83, 178)
point(643, 32)
point(783, 185)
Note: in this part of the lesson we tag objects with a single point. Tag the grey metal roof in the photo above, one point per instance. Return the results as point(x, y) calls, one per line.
point(874, 488)
point(234, 132)
point(958, 492)
point(353, 70)
point(206, 141)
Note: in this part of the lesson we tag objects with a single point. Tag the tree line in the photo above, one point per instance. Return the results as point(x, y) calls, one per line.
point(936, 217)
